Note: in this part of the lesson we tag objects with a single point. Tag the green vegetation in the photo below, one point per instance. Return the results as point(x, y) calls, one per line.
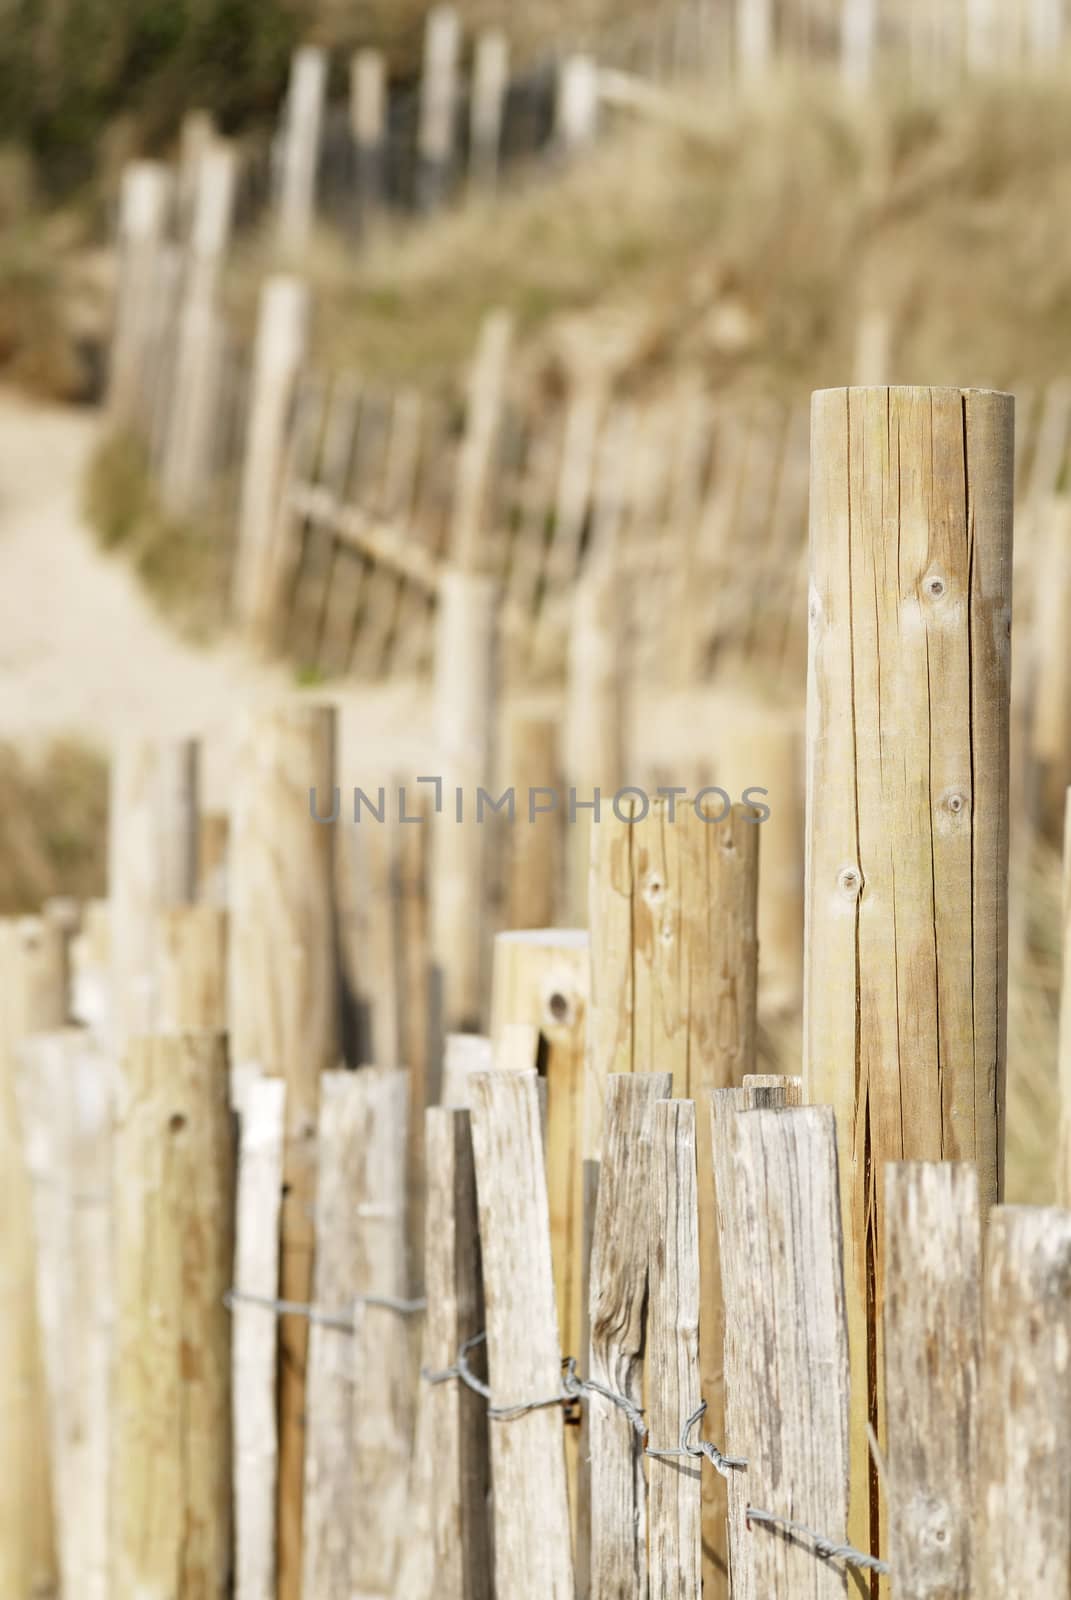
point(182, 565)
point(55, 811)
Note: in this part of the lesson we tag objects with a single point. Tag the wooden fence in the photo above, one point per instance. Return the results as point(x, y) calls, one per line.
point(339, 506)
point(560, 1239)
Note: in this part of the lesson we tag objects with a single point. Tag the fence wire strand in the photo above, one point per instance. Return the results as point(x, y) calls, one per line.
point(573, 1390)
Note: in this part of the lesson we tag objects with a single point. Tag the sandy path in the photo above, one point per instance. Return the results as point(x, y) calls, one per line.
point(82, 649)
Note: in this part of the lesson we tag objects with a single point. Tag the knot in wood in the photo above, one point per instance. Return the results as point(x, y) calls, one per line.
point(850, 882)
point(934, 586)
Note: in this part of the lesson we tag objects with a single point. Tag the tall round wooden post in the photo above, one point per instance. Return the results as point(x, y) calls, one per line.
point(283, 1005)
point(907, 812)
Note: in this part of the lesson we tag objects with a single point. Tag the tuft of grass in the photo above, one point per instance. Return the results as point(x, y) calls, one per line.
point(183, 565)
point(55, 810)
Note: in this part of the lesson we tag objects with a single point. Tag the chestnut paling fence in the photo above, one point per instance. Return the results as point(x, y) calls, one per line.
point(514, 1250)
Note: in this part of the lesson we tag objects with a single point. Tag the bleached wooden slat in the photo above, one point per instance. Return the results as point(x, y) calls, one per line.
point(174, 1234)
point(616, 1298)
point(1024, 1447)
point(455, 1314)
point(786, 1348)
point(933, 1337)
point(533, 1557)
point(261, 1111)
point(67, 1101)
point(382, 1353)
point(33, 995)
point(341, 1160)
point(673, 1382)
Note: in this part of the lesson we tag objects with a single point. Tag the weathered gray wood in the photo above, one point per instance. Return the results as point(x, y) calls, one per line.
point(261, 1110)
point(341, 1157)
point(673, 1382)
point(1024, 1447)
point(616, 1299)
point(383, 1364)
point(533, 1559)
point(786, 1346)
point(933, 1337)
point(463, 1054)
point(455, 1314)
point(283, 1008)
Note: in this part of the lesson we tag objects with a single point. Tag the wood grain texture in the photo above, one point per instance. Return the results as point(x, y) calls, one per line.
point(672, 1359)
point(617, 1303)
point(67, 1103)
point(32, 972)
point(283, 1002)
point(786, 1348)
point(254, 1339)
point(933, 1338)
point(907, 805)
point(1024, 1463)
point(675, 982)
point(340, 1161)
point(541, 980)
point(455, 1313)
point(174, 1236)
point(533, 1557)
point(383, 1353)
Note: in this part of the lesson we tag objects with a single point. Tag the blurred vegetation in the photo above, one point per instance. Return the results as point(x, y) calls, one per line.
point(74, 73)
point(181, 564)
point(55, 810)
point(745, 249)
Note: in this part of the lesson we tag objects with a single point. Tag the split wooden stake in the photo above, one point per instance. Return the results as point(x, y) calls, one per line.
point(786, 1350)
point(458, 1421)
point(254, 1336)
point(674, 981)
point(1024, 1465)
point(67, 1103)
point(933, 1346)
point(174, 1233)
point(282, 947)
point(383, 1355)
point(618, 1296)
point(532, 1537)
point(32, 972)
point(673, 1380)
